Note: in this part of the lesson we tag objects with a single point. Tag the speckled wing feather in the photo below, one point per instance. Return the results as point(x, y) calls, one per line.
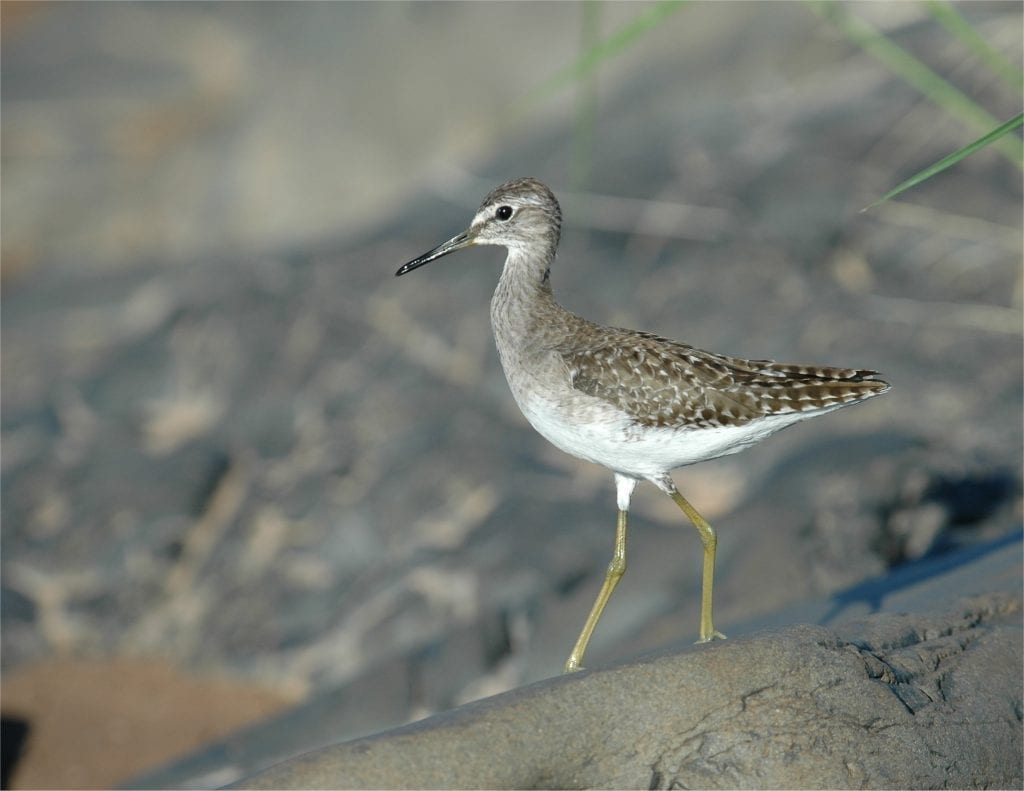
point(660, 382)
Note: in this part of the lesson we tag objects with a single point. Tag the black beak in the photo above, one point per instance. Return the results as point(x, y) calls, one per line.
point(457, 243)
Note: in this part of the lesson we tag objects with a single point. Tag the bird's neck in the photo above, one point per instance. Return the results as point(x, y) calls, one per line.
point(523, 305)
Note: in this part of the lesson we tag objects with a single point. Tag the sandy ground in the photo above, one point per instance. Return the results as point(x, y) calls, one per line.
point(97, 724)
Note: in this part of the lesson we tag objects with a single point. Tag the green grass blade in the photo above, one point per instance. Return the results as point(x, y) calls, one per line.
point(600, 52)
point(955, 157)
point(902, 63)
point(950, 18)
point(586, 101)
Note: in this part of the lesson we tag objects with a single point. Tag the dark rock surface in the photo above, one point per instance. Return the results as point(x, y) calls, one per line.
point(910, 596)
point(893, 701)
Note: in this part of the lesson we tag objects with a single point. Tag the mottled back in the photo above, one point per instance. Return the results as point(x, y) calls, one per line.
point(664, 383)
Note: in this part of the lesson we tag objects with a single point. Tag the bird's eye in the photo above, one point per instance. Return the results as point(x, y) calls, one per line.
point(503, 213)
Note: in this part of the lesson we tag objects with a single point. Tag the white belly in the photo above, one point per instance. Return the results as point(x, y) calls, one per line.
point(600, 433)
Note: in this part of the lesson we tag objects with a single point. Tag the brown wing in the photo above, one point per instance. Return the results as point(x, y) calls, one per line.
point(660, 382)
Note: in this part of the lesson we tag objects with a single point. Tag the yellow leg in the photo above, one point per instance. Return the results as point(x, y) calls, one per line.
point(615, 571)
point(710, 542)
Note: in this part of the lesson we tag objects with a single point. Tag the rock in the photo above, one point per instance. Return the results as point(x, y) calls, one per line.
point(891, 700)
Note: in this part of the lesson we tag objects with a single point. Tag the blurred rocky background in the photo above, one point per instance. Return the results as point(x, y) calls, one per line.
point(244, 468)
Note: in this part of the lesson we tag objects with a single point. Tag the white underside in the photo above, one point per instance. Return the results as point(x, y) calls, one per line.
point(605, 436)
